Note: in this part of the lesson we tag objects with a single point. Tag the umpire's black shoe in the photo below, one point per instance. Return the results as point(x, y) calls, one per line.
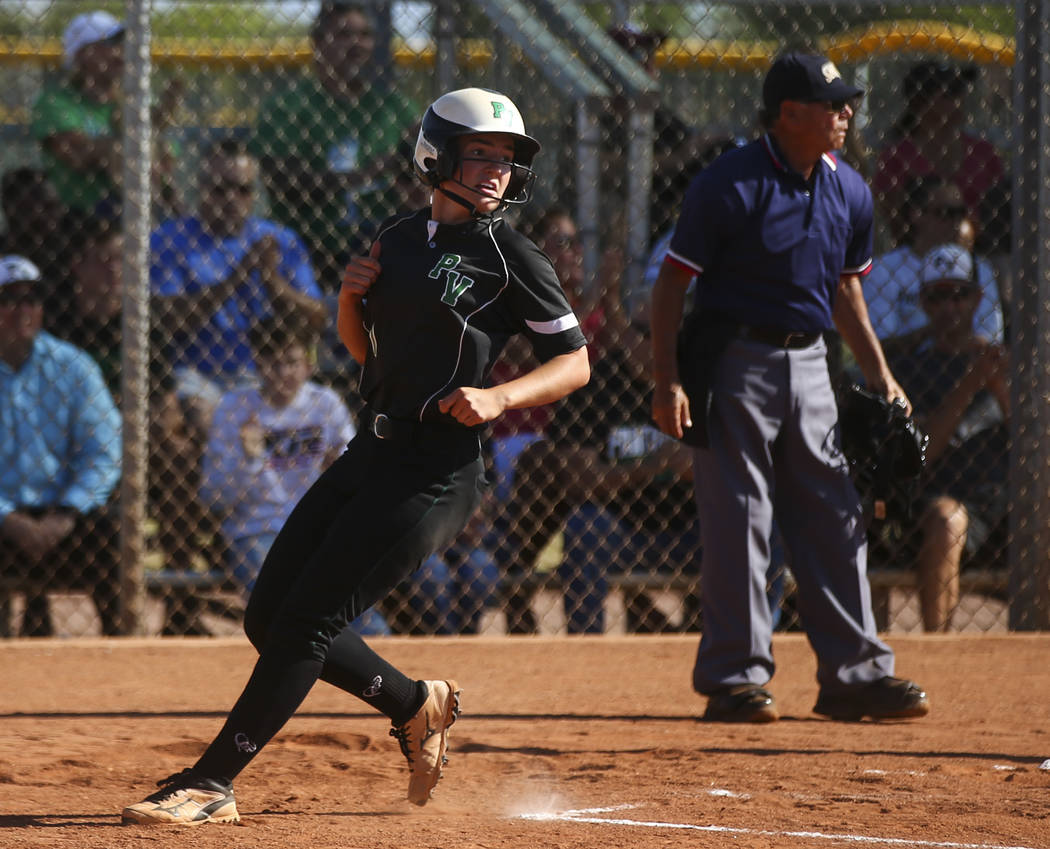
point(887, 698)
point(741, 703)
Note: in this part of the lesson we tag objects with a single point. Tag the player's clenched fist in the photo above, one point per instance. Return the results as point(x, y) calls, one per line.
point(472, 406)
point(361, 273)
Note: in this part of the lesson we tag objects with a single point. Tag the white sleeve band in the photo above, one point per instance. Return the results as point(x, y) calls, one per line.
point(688, 263)
point(566, 322)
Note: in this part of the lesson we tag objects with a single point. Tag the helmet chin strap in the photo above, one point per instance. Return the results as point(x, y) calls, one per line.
point(462, 201)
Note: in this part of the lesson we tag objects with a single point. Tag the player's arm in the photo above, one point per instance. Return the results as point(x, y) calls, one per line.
point(551, 381)
point(358, 278)
point(670, 404)
point(851, 320)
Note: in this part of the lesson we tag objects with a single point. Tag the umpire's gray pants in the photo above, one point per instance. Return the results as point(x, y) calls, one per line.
point(774, 446)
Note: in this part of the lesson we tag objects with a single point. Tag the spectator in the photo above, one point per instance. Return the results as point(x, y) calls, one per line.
point(957, 381)
point(936, 214)
point(618, 487)
point(602, 320)
point(329, 141)
point(77, 121)
point(217, 273)
point(678, 149)
point(33, 215)
point(995, 241)
point(87, 311)
point(929, 139)
point(59, 458)
point(87, 306)
point(268, 444)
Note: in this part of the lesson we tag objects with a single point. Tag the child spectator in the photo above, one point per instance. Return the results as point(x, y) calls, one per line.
point(268, 444)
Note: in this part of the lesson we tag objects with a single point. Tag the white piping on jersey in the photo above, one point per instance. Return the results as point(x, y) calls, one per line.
point(469, 316)
point(686, 262)
point(862, 269)
point(370, 330)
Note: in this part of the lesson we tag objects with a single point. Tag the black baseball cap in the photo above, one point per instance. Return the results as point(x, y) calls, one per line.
point(805, 77)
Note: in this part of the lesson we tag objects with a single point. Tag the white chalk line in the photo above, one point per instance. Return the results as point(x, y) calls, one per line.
point(582, 816)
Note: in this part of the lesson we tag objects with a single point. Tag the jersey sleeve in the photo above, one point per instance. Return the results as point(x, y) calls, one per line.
point(539, 303)
point(862, 231)
point(705, 209)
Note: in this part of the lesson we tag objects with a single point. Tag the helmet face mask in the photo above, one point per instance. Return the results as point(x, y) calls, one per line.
point(469, 112)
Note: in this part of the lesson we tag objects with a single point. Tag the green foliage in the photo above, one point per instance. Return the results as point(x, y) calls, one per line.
point(223, 20)
point(214, 20)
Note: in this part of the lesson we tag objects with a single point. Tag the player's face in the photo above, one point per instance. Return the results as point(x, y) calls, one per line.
point(486, 163)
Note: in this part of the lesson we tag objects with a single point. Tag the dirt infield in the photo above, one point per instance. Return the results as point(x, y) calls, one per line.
point(579, 742)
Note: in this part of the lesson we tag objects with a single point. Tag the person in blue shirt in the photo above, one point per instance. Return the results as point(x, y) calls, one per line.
point(215, 274)
point(778, 233)
point(60, 449)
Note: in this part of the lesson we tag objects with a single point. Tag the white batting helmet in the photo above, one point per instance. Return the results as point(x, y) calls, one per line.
point(466, 112)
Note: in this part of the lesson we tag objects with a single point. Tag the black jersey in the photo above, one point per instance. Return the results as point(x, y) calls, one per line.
point(446, 302)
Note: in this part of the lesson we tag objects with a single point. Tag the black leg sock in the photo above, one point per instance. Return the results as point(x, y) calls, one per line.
point(274, 692)
point(354, 667)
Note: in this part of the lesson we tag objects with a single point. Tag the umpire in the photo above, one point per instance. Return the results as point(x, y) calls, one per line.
point(779, 233)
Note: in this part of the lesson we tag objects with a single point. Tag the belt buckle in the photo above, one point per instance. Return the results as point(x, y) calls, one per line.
point(791, 337)
point(381, 426)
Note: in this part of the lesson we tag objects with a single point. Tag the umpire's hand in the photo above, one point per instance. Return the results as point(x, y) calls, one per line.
point(671, 409)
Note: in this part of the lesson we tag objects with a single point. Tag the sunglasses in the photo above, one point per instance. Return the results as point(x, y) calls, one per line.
point(14, 297)
point(948, 211)
point(563, 240)
point(943, 294)
point(231, 186)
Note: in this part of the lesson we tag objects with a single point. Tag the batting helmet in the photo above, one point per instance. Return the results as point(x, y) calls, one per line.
point(466, 112)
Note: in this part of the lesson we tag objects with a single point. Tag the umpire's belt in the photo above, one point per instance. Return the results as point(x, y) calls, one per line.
point(778, 337)
point(386, 427)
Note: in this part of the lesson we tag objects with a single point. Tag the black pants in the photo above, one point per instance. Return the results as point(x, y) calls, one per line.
point(85, 560)
point(367, 524)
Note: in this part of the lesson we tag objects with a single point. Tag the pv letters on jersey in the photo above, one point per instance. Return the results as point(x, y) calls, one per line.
point(455, 283)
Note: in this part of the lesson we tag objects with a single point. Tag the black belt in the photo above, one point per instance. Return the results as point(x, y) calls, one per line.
point(382, 426)
point(778, 337)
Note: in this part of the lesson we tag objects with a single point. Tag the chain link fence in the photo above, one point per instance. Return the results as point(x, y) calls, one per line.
point(190, 178)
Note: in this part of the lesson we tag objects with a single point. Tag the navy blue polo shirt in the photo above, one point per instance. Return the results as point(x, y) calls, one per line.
point(768, 246)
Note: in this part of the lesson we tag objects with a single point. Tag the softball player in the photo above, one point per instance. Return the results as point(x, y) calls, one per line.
point(426, 313)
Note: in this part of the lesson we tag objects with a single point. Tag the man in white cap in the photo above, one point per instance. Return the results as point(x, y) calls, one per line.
point(957, 382)
point(60, 451)
point(77, 120)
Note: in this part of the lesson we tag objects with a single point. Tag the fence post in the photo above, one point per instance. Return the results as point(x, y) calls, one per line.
point(135, 328)
point(1030, 447)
